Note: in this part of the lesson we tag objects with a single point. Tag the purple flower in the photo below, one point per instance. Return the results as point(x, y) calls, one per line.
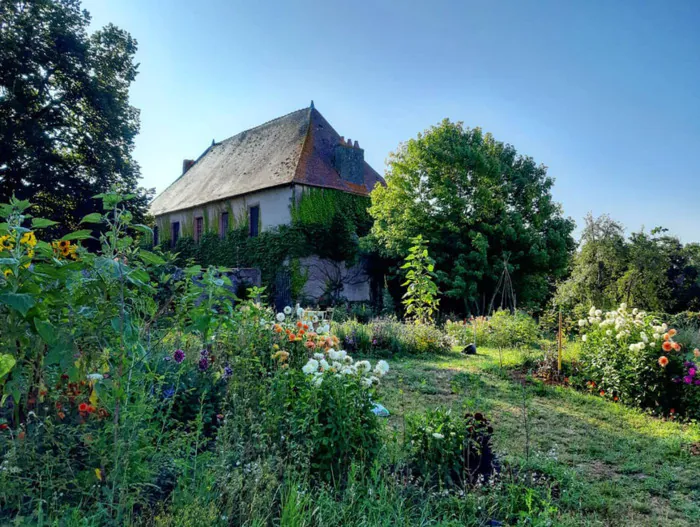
point(179, 356)
point(204, 353)
point(168, 393)
point(691, 372)
point(203, 364)
point(697, 382)
point(688, 379)
point(228, 371)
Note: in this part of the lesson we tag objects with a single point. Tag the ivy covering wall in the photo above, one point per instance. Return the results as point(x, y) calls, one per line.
point(325, 222)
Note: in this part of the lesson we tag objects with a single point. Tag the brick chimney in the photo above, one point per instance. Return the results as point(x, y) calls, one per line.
point(349, 161)
point(187, 164)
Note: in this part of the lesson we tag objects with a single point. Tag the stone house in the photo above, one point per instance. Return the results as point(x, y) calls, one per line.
point(256, 176)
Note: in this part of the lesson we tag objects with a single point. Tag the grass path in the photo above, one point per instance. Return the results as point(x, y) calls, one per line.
point(613, 465)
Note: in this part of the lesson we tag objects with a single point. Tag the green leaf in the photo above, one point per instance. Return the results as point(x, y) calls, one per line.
point(150, 258)
point(46, 331)
point(9, 261)
point(138, 277)
point(78, 235)
point(142, 228)
point(94, 217)
point(18, 301)
point(59, 354)
point(40, 223)
point(7, 362)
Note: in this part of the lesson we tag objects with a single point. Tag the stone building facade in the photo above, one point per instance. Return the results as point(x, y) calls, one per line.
point(254, 178)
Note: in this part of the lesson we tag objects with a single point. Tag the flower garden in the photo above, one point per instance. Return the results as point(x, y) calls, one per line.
point(135, 392)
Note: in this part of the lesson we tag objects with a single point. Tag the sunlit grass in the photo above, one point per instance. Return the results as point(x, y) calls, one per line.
point(617, 465)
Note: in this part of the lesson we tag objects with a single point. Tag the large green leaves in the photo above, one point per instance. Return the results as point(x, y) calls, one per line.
point(21, 302)
point(7, 362)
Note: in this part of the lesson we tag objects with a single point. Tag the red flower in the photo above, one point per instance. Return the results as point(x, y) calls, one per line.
point(3, 426)
point(602, 392)
point(90, 409)
point(299, 324)
point(667, 346)
point(61, 416)
point(83, 407)
point(663, 361)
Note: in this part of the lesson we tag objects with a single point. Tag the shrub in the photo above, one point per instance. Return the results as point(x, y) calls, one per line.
point(390, 336)
point(502, 330)
point(632, 357)
point(449, 450)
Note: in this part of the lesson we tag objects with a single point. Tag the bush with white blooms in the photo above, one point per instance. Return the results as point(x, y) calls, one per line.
point(338, 363)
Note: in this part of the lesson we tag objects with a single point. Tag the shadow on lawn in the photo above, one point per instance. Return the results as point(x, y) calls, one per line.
point(621, 464)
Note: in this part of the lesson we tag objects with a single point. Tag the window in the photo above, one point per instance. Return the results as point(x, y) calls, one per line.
point(174, 232)
point(155, 235)
point(254, 220)
point(198, 228)
point(223, 225)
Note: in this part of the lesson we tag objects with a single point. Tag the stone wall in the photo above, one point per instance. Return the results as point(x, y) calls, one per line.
point(350, 283)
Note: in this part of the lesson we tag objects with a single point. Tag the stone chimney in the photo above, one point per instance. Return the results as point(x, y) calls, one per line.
point(349, 161)
point(187, 164)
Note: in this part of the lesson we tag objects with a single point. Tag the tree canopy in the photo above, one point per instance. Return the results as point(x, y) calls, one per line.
point(652, 271)
point(66, 126)
point(482, 207)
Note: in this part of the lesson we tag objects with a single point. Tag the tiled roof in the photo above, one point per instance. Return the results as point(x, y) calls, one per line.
point(295, 148)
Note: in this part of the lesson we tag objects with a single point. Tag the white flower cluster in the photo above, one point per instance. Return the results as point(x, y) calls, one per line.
point(622, 324)
point(342, 364)
point(301, 315)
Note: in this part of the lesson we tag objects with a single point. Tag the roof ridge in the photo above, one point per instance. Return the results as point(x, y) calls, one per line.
point(303, 144)
point(261, 125)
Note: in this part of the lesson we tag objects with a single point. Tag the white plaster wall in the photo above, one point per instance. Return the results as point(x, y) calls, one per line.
point(355, 280)
point(274, 206)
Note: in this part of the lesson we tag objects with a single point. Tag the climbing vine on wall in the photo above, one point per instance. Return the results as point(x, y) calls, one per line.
point(325, 222)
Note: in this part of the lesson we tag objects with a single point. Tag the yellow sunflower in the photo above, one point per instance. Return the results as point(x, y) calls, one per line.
point(28, 238)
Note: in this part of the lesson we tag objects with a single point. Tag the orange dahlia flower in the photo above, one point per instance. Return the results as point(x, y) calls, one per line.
point(676, 346)
point(672, 332)
point(663, 361)
point(667, 346)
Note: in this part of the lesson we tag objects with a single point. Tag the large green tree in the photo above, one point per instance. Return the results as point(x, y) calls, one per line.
point(483, 208)
point(649, 270)
point(66, 126)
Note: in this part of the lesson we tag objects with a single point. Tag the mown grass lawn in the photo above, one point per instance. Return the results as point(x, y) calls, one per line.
point(612, 465)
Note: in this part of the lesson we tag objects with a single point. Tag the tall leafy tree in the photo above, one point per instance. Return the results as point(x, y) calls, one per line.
point(649, 270)
point(66, 126)
point(482, 207)
point(597, 267)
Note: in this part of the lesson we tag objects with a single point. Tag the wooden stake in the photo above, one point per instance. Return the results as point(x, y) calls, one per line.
point(559, 344)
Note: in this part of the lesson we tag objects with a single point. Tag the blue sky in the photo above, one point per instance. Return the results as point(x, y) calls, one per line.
point(606, 94)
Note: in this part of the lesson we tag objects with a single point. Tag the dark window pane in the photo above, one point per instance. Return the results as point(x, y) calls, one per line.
point(223, 225)
point(198, 228)
point(175, 234)
point(155, 236)
point(254, 220)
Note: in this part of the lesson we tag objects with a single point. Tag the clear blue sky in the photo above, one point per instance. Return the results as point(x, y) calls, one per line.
point(606, 94)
